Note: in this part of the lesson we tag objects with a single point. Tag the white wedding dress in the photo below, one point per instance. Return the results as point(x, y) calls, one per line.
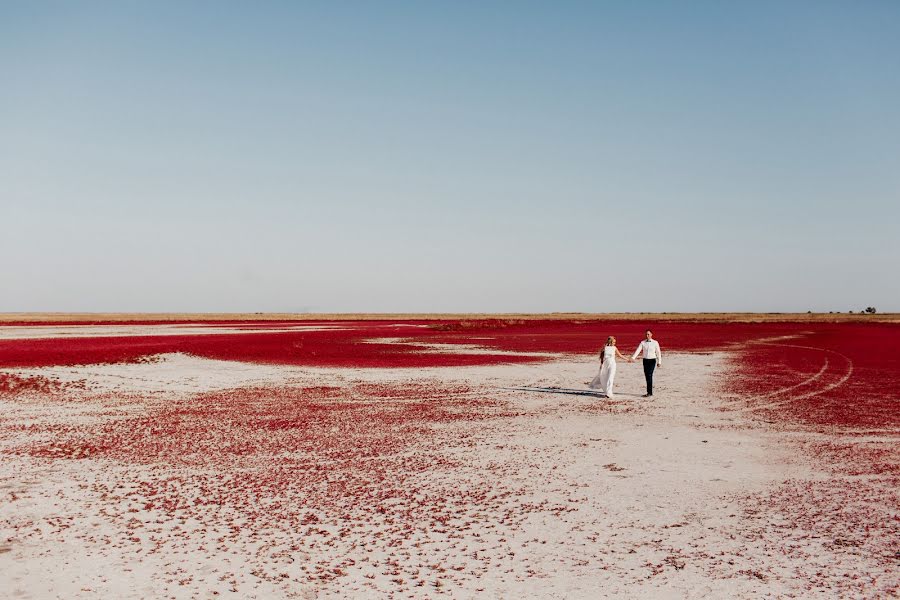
point(607, 375)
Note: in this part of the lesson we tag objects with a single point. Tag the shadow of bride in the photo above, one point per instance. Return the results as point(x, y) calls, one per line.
point(568, 391)
point(558, 390)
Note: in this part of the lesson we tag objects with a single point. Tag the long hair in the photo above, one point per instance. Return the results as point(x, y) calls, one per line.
point(611, 340)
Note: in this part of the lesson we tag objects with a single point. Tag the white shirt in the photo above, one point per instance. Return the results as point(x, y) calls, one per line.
point(651, 350)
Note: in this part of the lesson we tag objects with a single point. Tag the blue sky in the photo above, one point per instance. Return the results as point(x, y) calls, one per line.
point(425, 156)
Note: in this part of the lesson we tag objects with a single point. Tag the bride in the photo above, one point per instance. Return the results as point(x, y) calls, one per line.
point(604, 379)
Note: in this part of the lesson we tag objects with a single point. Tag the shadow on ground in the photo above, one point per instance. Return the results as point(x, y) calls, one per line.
point(558, 390)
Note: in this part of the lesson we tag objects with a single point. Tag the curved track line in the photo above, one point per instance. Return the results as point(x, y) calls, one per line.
point(806, 381)
point(821, 390)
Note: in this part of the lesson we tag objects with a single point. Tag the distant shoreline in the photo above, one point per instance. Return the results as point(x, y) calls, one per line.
point(731, 317)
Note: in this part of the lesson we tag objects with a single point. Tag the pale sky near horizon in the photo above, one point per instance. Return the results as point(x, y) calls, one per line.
point(425, 156)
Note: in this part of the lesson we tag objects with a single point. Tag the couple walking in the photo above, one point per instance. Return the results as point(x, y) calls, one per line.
point(652, 356)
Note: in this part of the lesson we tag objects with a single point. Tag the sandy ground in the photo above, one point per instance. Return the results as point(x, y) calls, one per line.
point(551, 493)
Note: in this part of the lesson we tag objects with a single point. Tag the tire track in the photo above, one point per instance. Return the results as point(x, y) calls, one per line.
point(824, 389)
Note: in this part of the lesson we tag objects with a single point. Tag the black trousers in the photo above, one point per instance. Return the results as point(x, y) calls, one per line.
point(649, 367)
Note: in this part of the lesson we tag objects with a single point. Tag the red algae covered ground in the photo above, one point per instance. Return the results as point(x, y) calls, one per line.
point(450, 458)
point(820, 373)
point(834, 375)
point(347, 345)
point(356, 344)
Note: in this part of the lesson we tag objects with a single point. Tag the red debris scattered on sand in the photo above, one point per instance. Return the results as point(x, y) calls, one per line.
point(225, 426)
point(365, 343)
point(13, 385)
point(856, 516)
point(374, 466)
point(315, 467)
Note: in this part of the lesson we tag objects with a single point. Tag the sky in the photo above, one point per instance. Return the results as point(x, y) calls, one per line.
point(449, 156)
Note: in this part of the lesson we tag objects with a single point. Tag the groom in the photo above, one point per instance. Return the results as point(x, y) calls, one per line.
point(652, 359)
